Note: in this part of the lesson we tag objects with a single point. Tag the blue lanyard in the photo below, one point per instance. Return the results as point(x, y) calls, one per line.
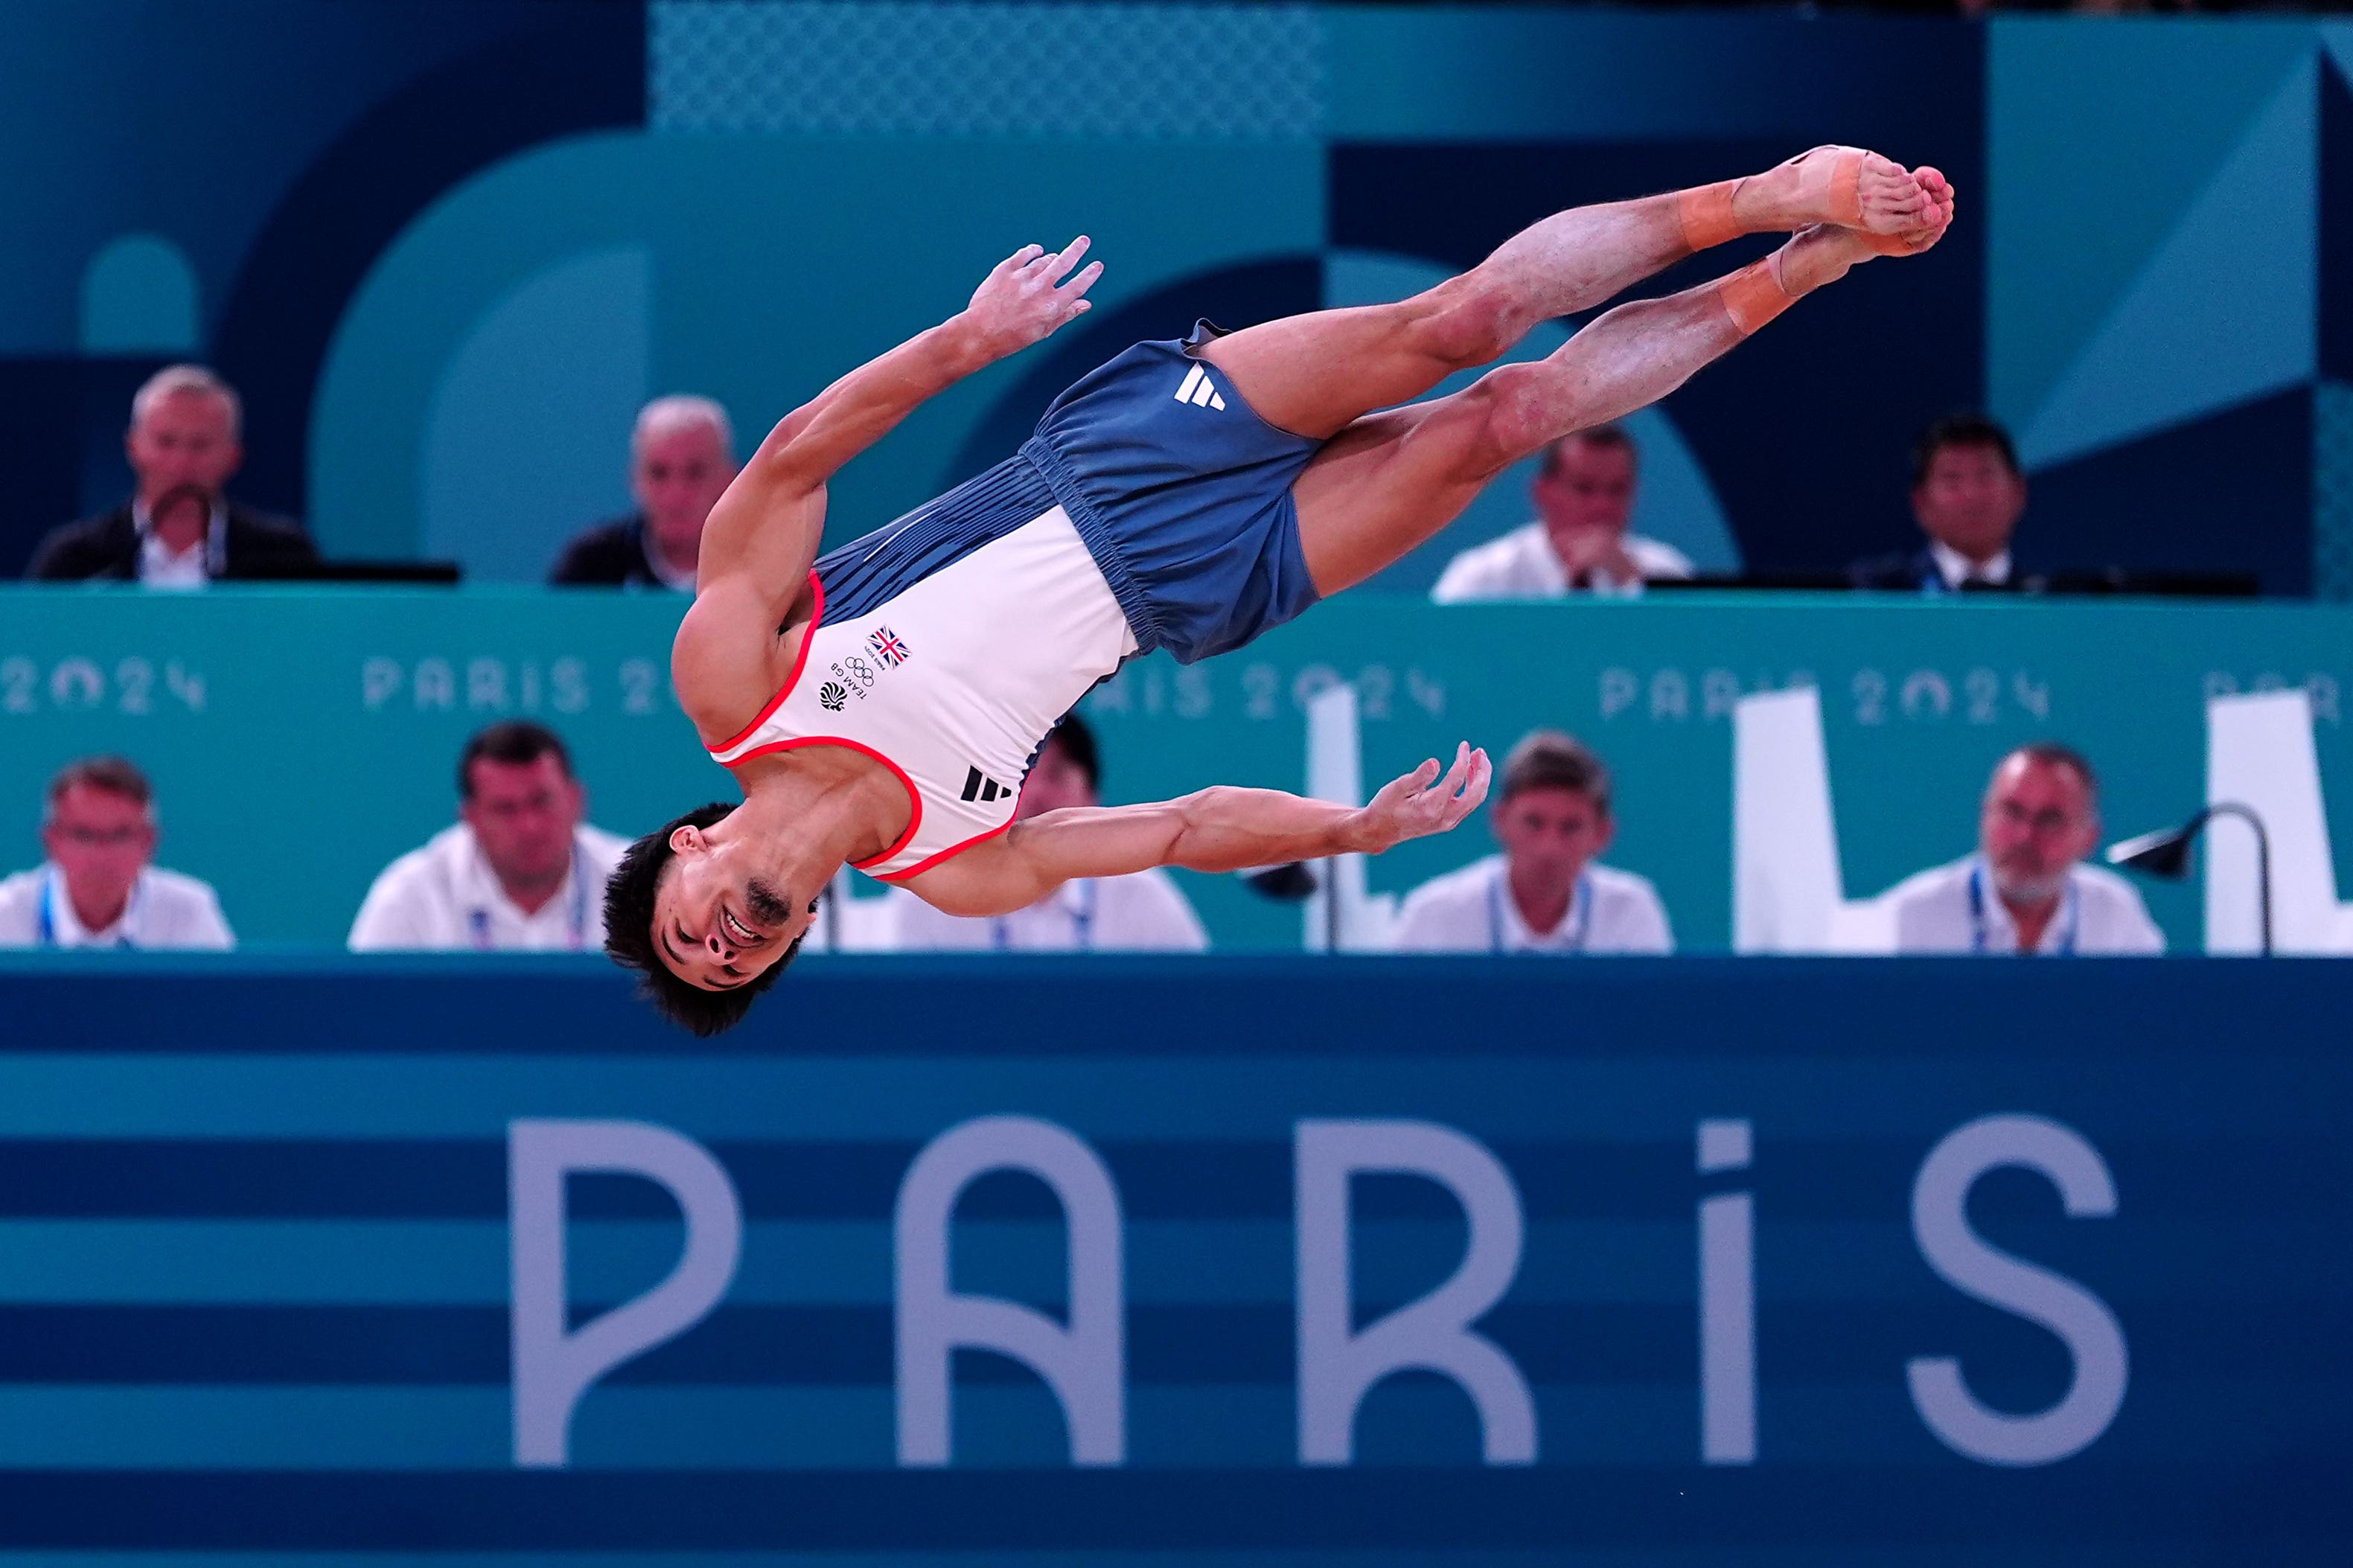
point(1082, 921)
point(49, 932)
point(477, 921)
point(2074, 914)
point(1580, 913)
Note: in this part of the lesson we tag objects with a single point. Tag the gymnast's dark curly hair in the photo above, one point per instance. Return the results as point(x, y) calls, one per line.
point(629, 935)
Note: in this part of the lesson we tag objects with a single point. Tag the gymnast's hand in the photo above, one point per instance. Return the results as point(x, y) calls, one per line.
point(1421, 803)
point(1028, 294)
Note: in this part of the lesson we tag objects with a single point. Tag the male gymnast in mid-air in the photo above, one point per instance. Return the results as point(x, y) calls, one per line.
point(879, 706)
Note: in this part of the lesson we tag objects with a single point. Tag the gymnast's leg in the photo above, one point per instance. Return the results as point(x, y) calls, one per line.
point(1312, 375)
point(1393, 479)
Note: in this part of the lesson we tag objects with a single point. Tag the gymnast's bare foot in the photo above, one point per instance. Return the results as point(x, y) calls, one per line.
point(1847, 186)
point(1822, 253)
point(1912, 241)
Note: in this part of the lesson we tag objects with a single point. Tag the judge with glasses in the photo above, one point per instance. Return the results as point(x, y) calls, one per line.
point(2026, 889)
point(99, 887)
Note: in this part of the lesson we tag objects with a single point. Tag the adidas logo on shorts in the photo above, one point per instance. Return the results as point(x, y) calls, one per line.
point(1198, 390)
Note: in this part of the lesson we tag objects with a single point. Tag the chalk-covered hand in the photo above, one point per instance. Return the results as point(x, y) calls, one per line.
point(1028, 294)
point(1421, 803)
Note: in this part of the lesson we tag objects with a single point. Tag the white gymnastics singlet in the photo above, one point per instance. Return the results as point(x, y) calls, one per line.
point(948, 676)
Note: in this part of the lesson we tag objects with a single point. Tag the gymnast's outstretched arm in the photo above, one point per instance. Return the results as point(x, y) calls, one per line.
point(752, 576)
point(1217, 829)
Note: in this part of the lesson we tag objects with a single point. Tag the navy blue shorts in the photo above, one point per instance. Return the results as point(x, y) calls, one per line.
point(1183, 493)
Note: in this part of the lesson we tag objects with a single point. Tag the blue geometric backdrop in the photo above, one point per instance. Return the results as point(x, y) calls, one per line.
point(2159, 289)
point(445, 249)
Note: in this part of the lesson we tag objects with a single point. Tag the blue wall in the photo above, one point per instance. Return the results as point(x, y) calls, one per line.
point(255, 1256)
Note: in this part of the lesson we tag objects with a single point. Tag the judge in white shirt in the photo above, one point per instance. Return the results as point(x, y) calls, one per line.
point(2026, 889)
point(99, 887)
point(1545, 893)
point(520, 871)
point(1578, 543)
point(1144, 911)
point(1968, 495)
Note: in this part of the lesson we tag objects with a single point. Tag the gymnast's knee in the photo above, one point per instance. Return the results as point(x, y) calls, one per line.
point(1463, 323)
point(1509, 414)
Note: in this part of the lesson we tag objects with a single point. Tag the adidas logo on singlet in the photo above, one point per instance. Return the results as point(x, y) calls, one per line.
point(1198, 390)
point(977, 786)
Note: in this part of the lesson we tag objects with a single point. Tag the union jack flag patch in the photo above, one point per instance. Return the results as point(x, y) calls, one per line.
point(886, 646)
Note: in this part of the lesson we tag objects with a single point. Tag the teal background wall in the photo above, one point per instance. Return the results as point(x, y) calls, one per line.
point(2165, 287)
point(693, 252)
point(301, 739)
point(446, 248)
point(572, 284)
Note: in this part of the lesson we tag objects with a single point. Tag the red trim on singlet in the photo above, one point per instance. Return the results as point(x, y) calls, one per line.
point(931, 860)
point(914, 796)
point(817, 618)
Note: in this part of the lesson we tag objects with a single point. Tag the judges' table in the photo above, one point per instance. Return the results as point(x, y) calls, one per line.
point(301, 739)
point(1253, 1260)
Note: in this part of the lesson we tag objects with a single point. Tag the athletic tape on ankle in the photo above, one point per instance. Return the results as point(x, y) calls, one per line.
point(1846, 187)
point(1753, 296)
point(1706, 215)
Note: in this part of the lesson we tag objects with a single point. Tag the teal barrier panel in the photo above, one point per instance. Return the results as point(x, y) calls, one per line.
point(300, 739)
point(1730, 1263)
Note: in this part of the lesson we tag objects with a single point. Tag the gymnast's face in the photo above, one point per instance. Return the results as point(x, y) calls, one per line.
point(1970, 500)
point(718, 923)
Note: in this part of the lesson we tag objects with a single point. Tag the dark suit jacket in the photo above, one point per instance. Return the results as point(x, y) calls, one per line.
point(610, 555)
point(1916, 572)
point(107, 545)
